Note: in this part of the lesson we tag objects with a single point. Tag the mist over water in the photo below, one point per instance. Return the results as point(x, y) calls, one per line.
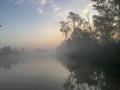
point(31, 71)
point(35, 70)
point(81, 52)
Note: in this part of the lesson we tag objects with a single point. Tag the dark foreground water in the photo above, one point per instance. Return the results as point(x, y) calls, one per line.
point(48, 73)
point(45, 74)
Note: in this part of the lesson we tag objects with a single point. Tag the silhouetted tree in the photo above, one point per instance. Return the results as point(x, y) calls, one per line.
point(107, 22)
point(65, 29)
point(95, 50)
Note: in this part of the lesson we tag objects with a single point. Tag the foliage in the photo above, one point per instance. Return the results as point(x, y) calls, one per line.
point(107, 22)
point(93, 50)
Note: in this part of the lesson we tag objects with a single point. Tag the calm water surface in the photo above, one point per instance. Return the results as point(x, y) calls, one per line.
point(45, 74)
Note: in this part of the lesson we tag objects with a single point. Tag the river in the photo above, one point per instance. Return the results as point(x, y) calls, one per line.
point(43, 74)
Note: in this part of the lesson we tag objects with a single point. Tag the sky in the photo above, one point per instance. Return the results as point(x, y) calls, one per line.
point(35, 23)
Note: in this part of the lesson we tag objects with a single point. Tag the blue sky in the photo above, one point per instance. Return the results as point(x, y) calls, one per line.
point(35, 23)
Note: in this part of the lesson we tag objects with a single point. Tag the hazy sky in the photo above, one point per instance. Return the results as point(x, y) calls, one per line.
point(35, 23)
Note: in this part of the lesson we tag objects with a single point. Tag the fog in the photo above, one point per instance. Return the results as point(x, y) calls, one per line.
point(30, 70)
point(81, 52)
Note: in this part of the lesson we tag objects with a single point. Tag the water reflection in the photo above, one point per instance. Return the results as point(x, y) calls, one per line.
point(86, 77)
point(31, 72)
point(20, 70)
point(72, 84)
point(10, 57)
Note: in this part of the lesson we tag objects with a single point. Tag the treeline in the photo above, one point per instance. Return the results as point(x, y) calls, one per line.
point(10, 56)
point(94, 49)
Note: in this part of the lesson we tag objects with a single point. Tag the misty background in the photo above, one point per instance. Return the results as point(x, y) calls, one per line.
point(59, 45)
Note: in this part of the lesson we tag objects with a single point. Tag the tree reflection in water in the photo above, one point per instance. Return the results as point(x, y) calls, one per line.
point(72, 84)
point(86, 77)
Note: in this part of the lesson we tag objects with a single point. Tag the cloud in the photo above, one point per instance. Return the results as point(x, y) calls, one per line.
point(17, 2)
point(40, 10)
point(64, 13)
point(43, 2)
point(87, 9)
point(51, 4)
point(55, 7)
point(59, 11)
point(40, 2)
point(41, 5)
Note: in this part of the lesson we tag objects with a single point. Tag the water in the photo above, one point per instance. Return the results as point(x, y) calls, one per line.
point(43, 74)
